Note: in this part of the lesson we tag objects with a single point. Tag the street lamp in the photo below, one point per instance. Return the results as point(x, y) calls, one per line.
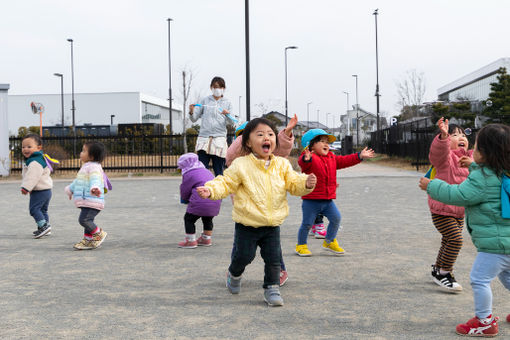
point(327, 121)
point(61, 76)
point(286, 105)
point(348, 117)
point(377, 95)
point(111, 119)
point(73, 108)
point(308, 114)
point(247, 55)
point(357, 111)
point(169, 85)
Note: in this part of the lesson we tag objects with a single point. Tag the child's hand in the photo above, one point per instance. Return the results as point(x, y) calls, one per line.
point(191, 108)
point(203, 192)
point(443, 127)
point(292, 124)
point(225, 112)
point(311, 180)
point(95, 192)
point(24, 191)
point(465, 161)
point(424, 182)
point(307, 155)
point(367, 153)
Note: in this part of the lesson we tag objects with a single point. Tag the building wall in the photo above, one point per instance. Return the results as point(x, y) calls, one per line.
point(91, 108)
point(4, 132)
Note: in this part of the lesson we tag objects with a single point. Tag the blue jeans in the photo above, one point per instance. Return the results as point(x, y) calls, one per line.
point(86, 219)
point(38, 206)
point(311, 208)
point(485, 269)
point(218, 163)
point(247, 239)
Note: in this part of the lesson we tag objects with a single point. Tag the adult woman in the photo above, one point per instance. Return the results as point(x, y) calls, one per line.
point(212, 138)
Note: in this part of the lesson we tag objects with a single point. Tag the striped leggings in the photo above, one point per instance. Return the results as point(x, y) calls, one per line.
point(451, 243)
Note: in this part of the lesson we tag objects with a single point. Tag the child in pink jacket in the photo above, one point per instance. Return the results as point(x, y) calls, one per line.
point(285, 144)
point(448, 148)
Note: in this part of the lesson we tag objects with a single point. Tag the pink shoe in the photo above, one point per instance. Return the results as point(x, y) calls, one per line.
point(283, 277)
point(319, 231)
point(187, 244)
point(204, 242)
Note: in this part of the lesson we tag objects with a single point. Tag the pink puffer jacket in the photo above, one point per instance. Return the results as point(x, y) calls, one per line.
point(446, 162)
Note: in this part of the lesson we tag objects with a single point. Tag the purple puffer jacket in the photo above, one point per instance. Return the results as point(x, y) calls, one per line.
point(194, 174)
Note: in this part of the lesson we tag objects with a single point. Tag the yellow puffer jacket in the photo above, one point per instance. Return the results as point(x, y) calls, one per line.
point(260, 193)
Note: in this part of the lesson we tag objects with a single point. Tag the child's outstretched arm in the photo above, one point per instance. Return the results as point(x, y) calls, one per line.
point(469, 192)
point(305, 161)
point(366, 153)
point(298, 184)
point(223, 185)
point(439, 154)
point(286, 139)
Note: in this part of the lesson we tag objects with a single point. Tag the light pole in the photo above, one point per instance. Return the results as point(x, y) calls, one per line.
point(308, 114)
point(247, 54)
point(286, 105)
point(348, 117)
point(73, 108)
point(169, 86)
point(111, 119)
point(327, 120)
point(357, 111)
point(240, 106)
point(377, 95)
point(61, 76)
point(318, 122)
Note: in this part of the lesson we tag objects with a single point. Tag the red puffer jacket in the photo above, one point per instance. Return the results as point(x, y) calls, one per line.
point(324, 167)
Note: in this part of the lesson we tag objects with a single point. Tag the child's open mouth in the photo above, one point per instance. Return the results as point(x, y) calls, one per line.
point(266, 147)
point(462, 145)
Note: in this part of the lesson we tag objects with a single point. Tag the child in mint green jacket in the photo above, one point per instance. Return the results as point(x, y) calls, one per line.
point(482, 194)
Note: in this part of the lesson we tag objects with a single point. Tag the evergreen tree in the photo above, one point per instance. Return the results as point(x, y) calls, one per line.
point(497, 106)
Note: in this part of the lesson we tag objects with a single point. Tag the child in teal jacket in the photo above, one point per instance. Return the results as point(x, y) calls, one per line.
point(481, 195)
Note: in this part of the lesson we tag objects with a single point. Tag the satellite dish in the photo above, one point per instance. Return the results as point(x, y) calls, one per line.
point(37, 108)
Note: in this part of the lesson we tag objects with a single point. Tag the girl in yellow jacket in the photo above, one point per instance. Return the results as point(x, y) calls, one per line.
point(260, 182)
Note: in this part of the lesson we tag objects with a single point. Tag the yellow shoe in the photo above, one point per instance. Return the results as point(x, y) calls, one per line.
point(302, 250)
point(333, 247)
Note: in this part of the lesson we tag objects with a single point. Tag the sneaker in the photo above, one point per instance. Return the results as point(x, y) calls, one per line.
point(333, 247)
point(476, 327)
point(302, 250)
point(37, 231)
point(84, 245)
point(272, 296)
point(98, 238)
point(283, 277)
point(311, 231)
point(44, 230)
point(233, 283)
point(319, 231)
point(188, 244)
point(204, 241)
point(447, 282)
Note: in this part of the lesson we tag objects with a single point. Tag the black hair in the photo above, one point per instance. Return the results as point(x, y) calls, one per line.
point(96, 151)
point(314, 140)
point(454, 127)
point(218, 80)
point(37, 139)
point(493, 144)
point(251, 126)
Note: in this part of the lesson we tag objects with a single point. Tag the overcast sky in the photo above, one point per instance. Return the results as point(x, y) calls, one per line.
point(123, 46)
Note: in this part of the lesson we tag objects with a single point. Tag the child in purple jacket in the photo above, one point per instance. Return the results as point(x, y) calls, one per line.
point(194, 174)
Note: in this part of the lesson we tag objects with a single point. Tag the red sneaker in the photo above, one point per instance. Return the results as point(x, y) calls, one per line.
point(204, 242)
point(187, 244)
point(283, 277)
point(475, 327)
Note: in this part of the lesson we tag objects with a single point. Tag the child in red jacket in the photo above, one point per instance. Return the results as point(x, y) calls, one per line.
point(317, 159)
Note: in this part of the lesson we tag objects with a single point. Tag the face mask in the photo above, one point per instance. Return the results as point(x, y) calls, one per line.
point(217, 92)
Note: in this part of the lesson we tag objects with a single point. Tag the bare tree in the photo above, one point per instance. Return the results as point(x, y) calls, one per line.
point(411, 90)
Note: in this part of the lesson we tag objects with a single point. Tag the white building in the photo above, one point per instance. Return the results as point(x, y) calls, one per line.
point(4, 133)
point(474, 86)
point(93, 108)
point(367, 123)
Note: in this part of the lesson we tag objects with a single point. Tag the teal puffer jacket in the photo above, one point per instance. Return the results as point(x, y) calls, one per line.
point(480, 194)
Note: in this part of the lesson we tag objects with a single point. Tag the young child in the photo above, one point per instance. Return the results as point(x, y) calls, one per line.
point(446, 149)
point(285, 143)
point(87, 191)
point(194, 174)
point(260, 182)
point(37, 182)
point(482, 194)
point(317, 159)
